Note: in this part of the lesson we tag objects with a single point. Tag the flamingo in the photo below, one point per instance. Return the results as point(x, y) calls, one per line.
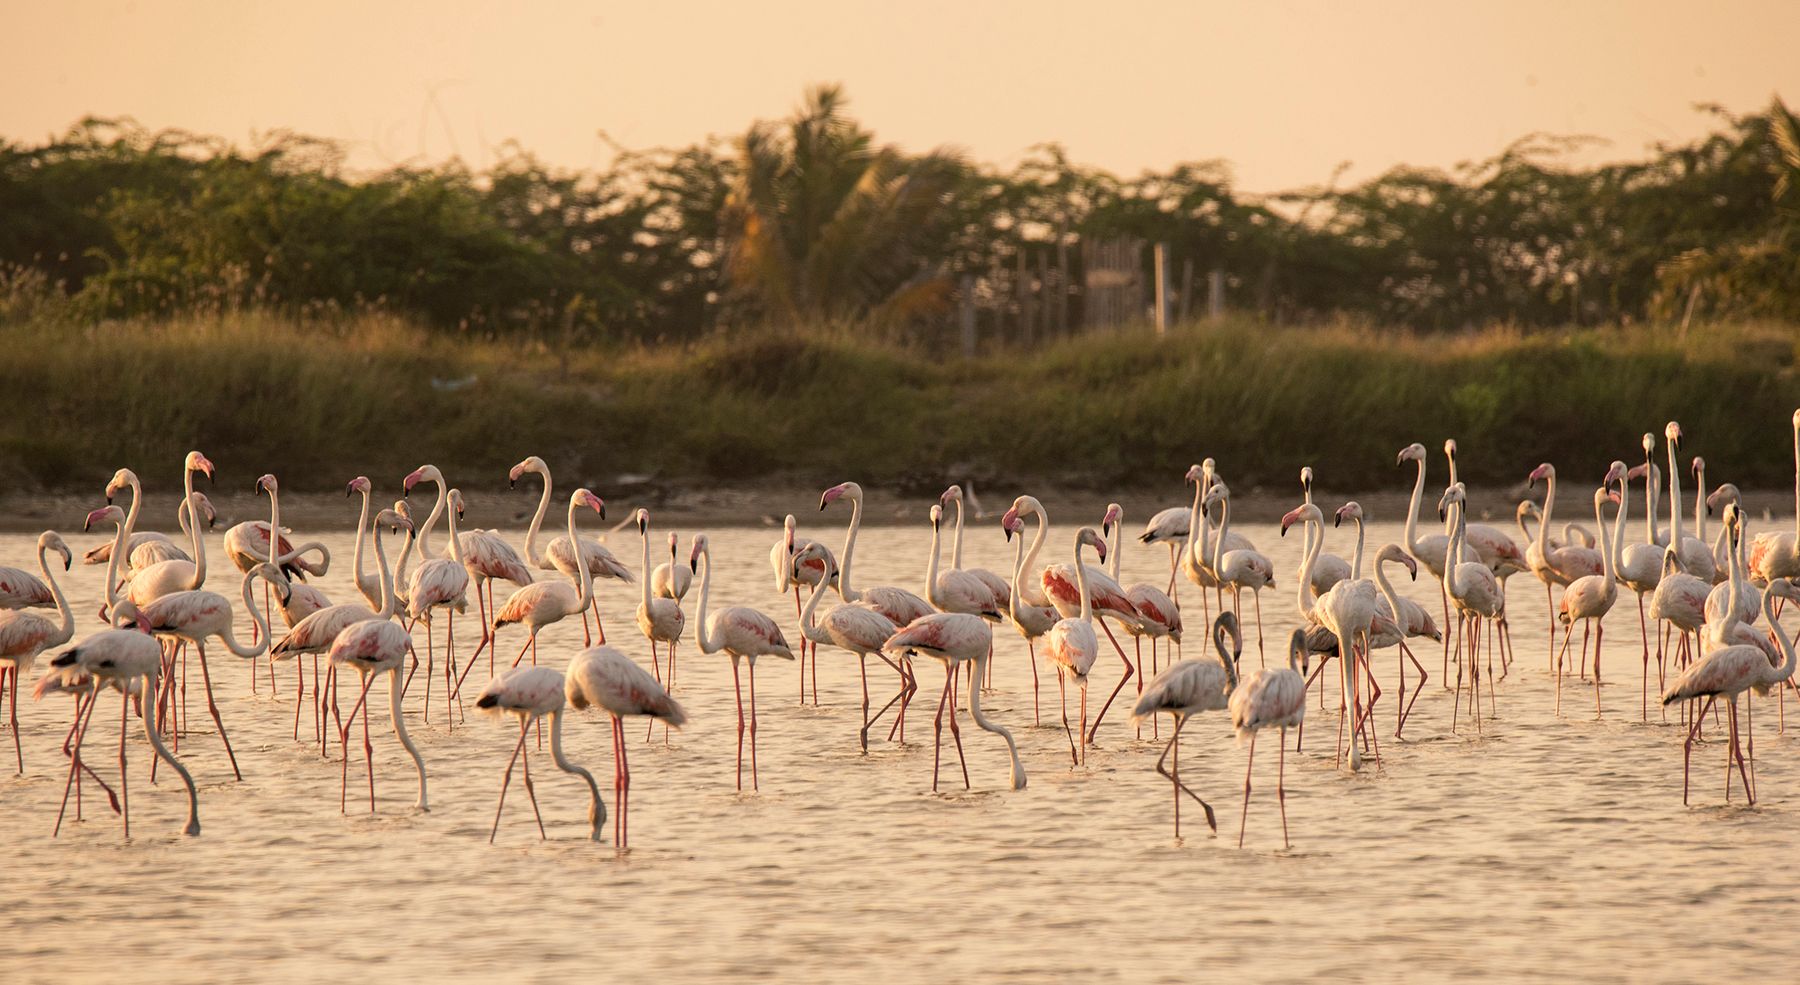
point(1696, 556)
point(1491, 544)
point(994, 583)
point(1396, 619)
point(368, 583)
point(1591, 597)
point(1553, 565)
point(532, 694)
point(1681, 601)
point(858, 629)
point(1071, 644)
point(671, 580)
point(545, 603)
point(1328, 569)
point(163, 577)
point(954, 590)
point(1348, 611)
point(1158, 616)
point(196, 615)
point(299, 601)
point(1032, 620)
point(1197, 559)
point(24, 635)
point(899, 605)
point(438, 583)
point(602, 676)
point(560, 555)
point(1169, 526)
point(154, 546)
point(1271, 697)
point(1719, 610)
point(121, 657)
point(744, 634)
point(1187, 688)
point(1059, 588)
point(801, 561)
point(1777, 555)
point(1475, 591)
point(484, 554)
point(1639, 566)
point(374, 646)
point(317, 632)
point(955, 638)
point(1728, 672)
point(1242, 568)
point(659, 619)
point(1428, 550)
point(20, 589)
point(84, 687)
point(1703, 508)
point(247, 544)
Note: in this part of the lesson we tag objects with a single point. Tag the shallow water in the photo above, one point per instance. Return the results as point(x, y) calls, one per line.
point(1546, 849)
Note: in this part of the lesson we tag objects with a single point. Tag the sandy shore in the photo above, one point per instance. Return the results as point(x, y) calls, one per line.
point(752, 504)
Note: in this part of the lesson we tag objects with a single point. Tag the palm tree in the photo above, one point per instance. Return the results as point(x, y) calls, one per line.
point(823, 225)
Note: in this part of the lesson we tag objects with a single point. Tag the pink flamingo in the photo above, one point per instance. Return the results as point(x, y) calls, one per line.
point(744, 634)
point(602, 676)
point(1476, 593)
point(1590, 598)
point(899, 605)
point(1170, 527)
point(1328, 569)
point(954, 590)
point(153, 546)
point(371, 647)
point(1491, 544)
point(801, 561)
point(84, 688)
point(316, 633)
point(671, 580)
point(368, 583)
point(1242, 568)
point(995, 583)
point(1728, 672)
point(545, 603)
point(163, 577)
point(197, 615)
point(955, 638)
point(1734, 604)
point(858, 629)
point(1427, 550)
point(1271, 697)
point(1556, 565)
point(124, 657)
point(1071, 644)
point(1158, 616)
point(1639, 565)
point(24, 635)
point(484, 554)
point(1031, 620)
point(532, 694)
point(438, 583)
point(1396, 619)
point(1185, 689)
point(1348, 611)
point(659, 619)
point(560, 554)
point(301, 599)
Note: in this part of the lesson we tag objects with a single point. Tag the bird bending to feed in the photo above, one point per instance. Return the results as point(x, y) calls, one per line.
point(955, 638)
point(1271, 697)
point(1185, 689)
point(532, 693)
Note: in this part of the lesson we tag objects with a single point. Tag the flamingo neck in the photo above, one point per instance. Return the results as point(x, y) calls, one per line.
point(1412, 511)
point(1312, 542)
point(1113, 544)
point(956, 539)
point(356, 553)
point(1196, 536)
point(809, 628)
point(230, 639)
point(1014, 601)
point(846, 592)
point(199, 542)
point(1453, 551)
point(1218, 640)
point(456, 553)
point(987, 724)
point(121, 537)
point(584, 581)
point(1387, 592)
point(423, 536)
point(707, 643)
point(65, 629)
point(644, 535)
point(1700, 504)
point(1081, 585)
point(1674, 503)
point(384, 579)
point(1613, 547)
point(596, 806)
point(1037, 539)
point(537, 521)
point(1782, 640)
point(1609, 539)
point(1218, 548)
point(399, 720)
point(1357, 558)
point(162, 751)
point(931, 567)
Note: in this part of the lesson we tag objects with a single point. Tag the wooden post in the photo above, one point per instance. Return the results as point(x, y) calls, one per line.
point(966, 316)
point(1161, 304)
point(1215, 294)
point(1187, 289)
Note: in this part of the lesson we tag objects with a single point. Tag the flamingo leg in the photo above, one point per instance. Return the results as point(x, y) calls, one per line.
point(1687, 748)
point(802, 646)
point(1173, 749)
point(344, 741)
point(1406, 713)
point(1249, 762)
point(1062, 689)
point(79, 732)
point(1031, 647)
point(1599, 637)
point(124, 780)
point(623, 796)
point(1280, 787)
point(531, 794)
point(1129, 671)
point(212, 707)
point(506, 780)
point(368, 757)
point(956, 730)
point(938, 728)
point(755, 784)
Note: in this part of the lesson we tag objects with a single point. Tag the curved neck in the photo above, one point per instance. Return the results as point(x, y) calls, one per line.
point(456, 542)
point(987, 724)
point(1543, 534)
point(437, 509)
point(199, 542)
point(808, 627)
point(1218, 548)
point(1037, 540)
point(845, 592)
point(537, 520)
point(1357, 558)
point(65, 629)
point(384, 578)
point(230, 639)
point(584, 579)
point(162, 751)
point(1387, 592)
point(1612, 546)
point(1453, 552)
point(956, 539)
point(412, 543)
point(706, 642)
point(1196, 536)
point(1700, 504)
point(1218, 639)
point(596, 806)
point(1412, 511)
point(356, 553)
point(1112, 546)
point(1650, 485)
point(1087, 603)
point(1309, 554)
point(121, 537)
point(399, 720)
point(1013, 601)
point(644, 535)
point(1782, 640)
point(1609, 539)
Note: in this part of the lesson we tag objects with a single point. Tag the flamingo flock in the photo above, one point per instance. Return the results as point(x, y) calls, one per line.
point(1718, 602)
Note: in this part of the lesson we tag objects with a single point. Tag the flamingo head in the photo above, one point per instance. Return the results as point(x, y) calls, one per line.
point(265, 483)
point(204, 507)
point(1450, 448)
point(1227, 625)
point(1671, 561)
point(50, 540)
point(1672, 432)
point(122, 479)
point(1114, 513)
point(101, 515)
point(360, 484)
point(531, 464)
point(394, 521)
point(1698, 466)
point(1304, 513)
point(1392, 552)
point(1414, 452)
point(1797, 418)
point(456, 501)
point(1351, 511)
point(581, 497)
point(1615, 473)
point(954, 494)
point(1297, 653)
point(1087, 536)
point(1012, 524)
point(1636, 472)
point(1724, 496)
point(1784, 588)
point(1194, 473)
point(1218, 493)
point(197, 462)
point(839, 491)
point(937, 515)
point(642, 519)
point(421, 474)
point(698, 549)
point(1457, 493)
point(1306, 479)
point(673, 541)
point(283, 590)
point(1543, 472)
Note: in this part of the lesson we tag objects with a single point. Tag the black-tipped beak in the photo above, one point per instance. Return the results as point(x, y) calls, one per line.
point(1441, 513)
point(67, 561)
point(512, 483)
point(603, 511)
point(694, 565)
point(1337, 520)
point(109, 499)
point(1415, 574)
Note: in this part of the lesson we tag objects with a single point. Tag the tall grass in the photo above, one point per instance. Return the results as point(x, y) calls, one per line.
point(320, 401)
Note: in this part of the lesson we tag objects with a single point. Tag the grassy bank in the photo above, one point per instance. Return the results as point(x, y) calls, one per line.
point(318, 402)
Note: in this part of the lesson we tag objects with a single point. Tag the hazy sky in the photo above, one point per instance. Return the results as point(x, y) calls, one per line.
point(1283, 90)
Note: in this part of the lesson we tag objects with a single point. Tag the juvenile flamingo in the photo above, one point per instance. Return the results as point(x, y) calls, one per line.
point(24, 635)
point(1274, 697)
point(1185, 689)
point(955, 638)
point(124, 657)
point(602, 676)
point(1728, 672)
point(531, 694)
point(743, 634)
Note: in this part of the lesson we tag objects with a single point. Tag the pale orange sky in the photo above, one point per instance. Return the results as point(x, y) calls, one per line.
point(1283, 90)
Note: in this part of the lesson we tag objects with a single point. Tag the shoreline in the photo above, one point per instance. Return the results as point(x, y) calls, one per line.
point(752, 505)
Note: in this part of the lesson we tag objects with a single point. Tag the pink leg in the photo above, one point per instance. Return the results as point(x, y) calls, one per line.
point(740, 723)
point(1249, 762)
point(507, 779)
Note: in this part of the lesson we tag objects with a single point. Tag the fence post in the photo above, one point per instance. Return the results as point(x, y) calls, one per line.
point(1161, 254)
point(1215, 294)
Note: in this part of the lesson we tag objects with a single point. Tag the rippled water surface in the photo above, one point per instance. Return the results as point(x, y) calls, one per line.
point(1546, 849)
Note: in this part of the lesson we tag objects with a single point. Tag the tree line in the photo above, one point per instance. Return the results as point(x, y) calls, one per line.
point(811, 221)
